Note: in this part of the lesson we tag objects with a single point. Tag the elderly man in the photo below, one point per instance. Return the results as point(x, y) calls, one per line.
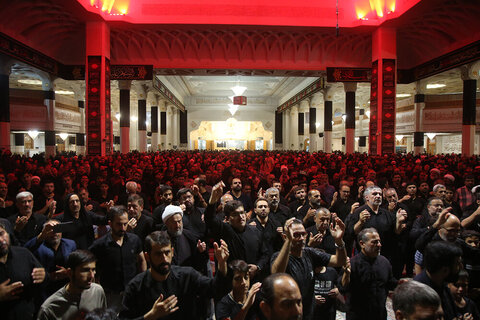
point(278, 211)
point(140, 224)
point(319, 234)
point(27, 224)
point(281, 298)
point(372, 215)
point(342, 204)
point(307, 213)
point(19, 279)
point(299, 261)
point(80, 295)
point(188, 250)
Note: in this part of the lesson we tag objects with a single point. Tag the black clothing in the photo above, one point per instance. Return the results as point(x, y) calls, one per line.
point(245, 199)
point(116, 265)
point(295, 206)
point(324, 282)
point(281, 215)
point(421, 224)
point(475, 225)
point(448, 305)
point(385, 223)
point(342, 208)
point(301, 269)
point(157, 214)
point(18, 267)
point(194, 221)
point(456, 210)
point(302, 212)
point(370, 280)
point(32, 229)
point(81, 230)
point(328, 242)
point(247, 245)
point(470, 307)
point(415, 208)
point(144, 227)
point(186, 254)
point(227, 309)
point(183, 282)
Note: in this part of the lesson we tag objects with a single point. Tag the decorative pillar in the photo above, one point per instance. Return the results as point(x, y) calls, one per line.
point(383, 91)
point(313, 129)
point(419, 106)
point(154, 127)
point(170, 128)
point(183, 133)
point(327, 124)
point(163, 126)
point(350, 89)
point(80, 145)
point(5, 66)
point(278, 130)
point(97, 76)
point(469, 77)
point(49, 102)
point(142, 125)
point(286, 130)
point(302, 110)
point(294, 128)
point(124, 86)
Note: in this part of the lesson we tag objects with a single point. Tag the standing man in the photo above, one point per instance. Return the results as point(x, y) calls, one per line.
point(281, 298)
point(20, 277)
point(300, 199)
point(300, 262)
point(319, 235)
point(166, 197)
point(119, 255)
point(139, 223)
point(370, 279)
point(281, 213)
point(80, 295)
point(193, 218)
point(342, 204)
point(307, 213)
point(166, 290)
point(236, 191)
point(27, 224)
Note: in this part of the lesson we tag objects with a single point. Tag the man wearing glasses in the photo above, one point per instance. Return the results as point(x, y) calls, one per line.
point(300, 262)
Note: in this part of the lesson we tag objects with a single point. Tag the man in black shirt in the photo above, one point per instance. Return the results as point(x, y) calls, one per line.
point(300, 199)
point(370, 279)
point(300, 262)
point(307, 212)
point(372, 215)
point(119, 256)
point(192, 215)
point(342, 203)
point(166, 290)
point(245, 242)
point(167, 197)
point(20, 277)
point(236, 191)
point(139, 223)
point(26, 223)
point(319, 234)
point(278, 211)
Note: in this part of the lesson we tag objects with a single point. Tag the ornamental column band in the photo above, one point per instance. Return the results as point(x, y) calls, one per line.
point(327, 121)
point(350, 89)
point(124, 87)
point(294, 128)
point(5, 69)
point(49, 102)
point(419, 107)
point(469, 76)
point(142, 118)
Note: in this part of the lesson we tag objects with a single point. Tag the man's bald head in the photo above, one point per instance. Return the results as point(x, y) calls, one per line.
point(281, 298)
point(450, 230)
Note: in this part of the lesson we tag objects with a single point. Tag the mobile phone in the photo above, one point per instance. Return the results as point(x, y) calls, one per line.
point(63, 227)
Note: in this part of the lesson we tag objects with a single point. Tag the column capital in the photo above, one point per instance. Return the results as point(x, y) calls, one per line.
point(327, 93)
point(124, 84)
point(350, 86)
point(48, 81)
point(293, 110)
point(142, 90)
point(317, 100)
point(6, 64)
point(79, 91)
point(420, 86)
point(304, 105)
point(470, 71)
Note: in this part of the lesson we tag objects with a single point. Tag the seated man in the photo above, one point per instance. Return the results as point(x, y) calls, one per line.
point(80, 295)
point(168, 290)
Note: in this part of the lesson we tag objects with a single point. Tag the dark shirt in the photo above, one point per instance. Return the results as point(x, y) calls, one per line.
point(194, 221)
point(475, 225)
point(157, 214)
point(415, 208)
point(443, 291)
point(469, 307)
point(116, 265)
point(328, 242)
point(32, 229)
point(324, 282)
point(81, 230)
point(227, 309)
point(247, 245)
point(384, 221)
point(342, 208)
point(281, 215)
point(19, 266)
point(370, 280)
point(246, 200)
point(186, 254)
point(183, 282)
point(295, 205)
point(144, 227)
point(301, 269)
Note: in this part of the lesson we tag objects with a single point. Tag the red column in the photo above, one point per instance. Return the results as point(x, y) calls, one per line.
point(383, 91)
point(97, 77)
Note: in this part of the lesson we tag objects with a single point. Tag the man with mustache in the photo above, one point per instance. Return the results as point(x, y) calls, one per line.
point(119, 255)
point(370, 279)
point(279, 212)
point(20, 277)
point(167, 290)
point(80, 295)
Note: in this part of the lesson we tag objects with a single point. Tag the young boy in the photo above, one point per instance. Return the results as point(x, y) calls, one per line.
point(464, 306)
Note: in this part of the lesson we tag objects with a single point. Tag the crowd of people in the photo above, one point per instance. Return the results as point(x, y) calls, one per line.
point(239, 235)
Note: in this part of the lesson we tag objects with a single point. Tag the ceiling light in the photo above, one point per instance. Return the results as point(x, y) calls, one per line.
point(317, 124)
point(30, 81)
point(344, 117)
point(133, 118)
point(117, 116)
point(403, 95)
point(64, 136)
point(33, 134)
point(431, 136)
point(64, 92)
point(399, 137)
point(238, 90)
point(232, 108)
point(435, 85)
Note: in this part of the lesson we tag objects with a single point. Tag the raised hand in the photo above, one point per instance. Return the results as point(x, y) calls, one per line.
point(201, 246)
point(10, 291)
point(217, 192)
